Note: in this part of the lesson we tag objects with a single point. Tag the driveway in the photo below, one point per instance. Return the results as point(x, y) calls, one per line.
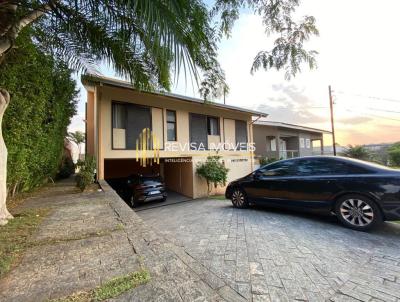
point(276, 255)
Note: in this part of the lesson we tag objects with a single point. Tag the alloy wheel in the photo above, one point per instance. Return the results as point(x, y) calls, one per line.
point(238, 198)
point(357, 212)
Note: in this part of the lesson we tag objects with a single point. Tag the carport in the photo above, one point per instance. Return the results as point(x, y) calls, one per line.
point(176, 172)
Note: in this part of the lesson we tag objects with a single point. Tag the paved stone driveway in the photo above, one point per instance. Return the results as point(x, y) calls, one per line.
point(276, 255)
point(89, 238)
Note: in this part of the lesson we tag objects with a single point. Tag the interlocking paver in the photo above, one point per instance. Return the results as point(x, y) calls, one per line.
point(285, 256)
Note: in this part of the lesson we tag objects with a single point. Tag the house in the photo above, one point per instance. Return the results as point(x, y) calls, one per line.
point(131, 131)
point(281, 140)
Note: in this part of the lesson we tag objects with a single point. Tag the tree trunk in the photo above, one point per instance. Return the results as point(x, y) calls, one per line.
point(4, 214)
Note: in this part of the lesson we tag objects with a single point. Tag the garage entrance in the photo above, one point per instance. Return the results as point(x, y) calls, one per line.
point(176, 172)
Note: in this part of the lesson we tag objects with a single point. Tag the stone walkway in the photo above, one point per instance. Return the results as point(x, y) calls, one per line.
point(276, 255)
point(89, 238)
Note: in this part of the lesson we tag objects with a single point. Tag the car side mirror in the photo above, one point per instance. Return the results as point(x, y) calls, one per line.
point(257, 174)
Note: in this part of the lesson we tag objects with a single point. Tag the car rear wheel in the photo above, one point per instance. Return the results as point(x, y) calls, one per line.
point(133, 201)
point(239, 199)
point(358, 212)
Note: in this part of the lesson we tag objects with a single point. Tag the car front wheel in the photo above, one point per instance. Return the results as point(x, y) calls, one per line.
point(358, 212)
point(239, 199)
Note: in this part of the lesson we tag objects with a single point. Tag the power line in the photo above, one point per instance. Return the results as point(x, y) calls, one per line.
point(368, 96)
point(371, 115)
point(390, 111)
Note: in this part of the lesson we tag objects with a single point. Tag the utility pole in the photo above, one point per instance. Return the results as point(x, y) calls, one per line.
point(224, 95)
point(332, 122)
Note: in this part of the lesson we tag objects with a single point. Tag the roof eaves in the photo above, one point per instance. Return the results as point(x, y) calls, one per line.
point(93, 79)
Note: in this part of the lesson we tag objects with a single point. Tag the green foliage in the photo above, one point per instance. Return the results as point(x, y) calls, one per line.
point(78, 137)
point(35, 123)
point(288, 52)
point(358, 152)
point(86, 172)
point(116, 286)
point(394, 154)
point(213, 171)
point(144, 40)
point(110, 289)
point(267, 160)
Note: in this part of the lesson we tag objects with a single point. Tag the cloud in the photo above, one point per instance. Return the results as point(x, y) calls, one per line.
point(354, 120)
point(291, 105)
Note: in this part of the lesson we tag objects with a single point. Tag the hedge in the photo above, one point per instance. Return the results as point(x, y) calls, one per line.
point(43, 101)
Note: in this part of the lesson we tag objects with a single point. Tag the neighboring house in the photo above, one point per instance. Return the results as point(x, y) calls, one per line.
point(281, 140)
point(184, 131)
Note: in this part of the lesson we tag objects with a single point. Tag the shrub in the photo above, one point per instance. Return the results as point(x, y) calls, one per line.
point(85, 176)
point(213, 171)
point(394, 154)
point(358, 152)
point(265, 160)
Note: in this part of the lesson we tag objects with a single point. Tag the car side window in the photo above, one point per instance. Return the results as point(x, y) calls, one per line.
point(284, 168)
point(307, 167)
point(326, 166)
point(341, 167)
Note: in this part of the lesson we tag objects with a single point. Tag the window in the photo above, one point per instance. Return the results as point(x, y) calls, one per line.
point(308, 143)
point(198, 131)
point(212, 125)
point(322, 166)
point(307, 167)
point(273, 144)
point(128, 122)
point(119, 116)
point(302, 143)
point(241, 134)
point(284, 168)
point(171, 125)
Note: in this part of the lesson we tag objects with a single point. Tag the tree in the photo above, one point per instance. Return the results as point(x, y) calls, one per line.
point(394, 154)
point(358, 152)
point(143, 40)
point(213, 171)
point(78, 137)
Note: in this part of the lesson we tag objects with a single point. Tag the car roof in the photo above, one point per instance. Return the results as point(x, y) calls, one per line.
point(357, 162)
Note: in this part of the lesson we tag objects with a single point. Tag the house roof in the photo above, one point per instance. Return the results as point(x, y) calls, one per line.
point(97, 79)
point(290, 126)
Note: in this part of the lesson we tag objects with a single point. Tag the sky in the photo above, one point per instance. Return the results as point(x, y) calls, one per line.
point(358, 56)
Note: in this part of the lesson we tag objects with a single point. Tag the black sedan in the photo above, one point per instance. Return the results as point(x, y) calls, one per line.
point(361, 194)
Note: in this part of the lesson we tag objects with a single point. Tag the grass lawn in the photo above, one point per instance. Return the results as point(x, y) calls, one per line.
point(110, 289)
point(14, 236)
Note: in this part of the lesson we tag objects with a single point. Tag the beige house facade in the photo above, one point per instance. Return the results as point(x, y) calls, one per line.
point(281, 140)
point(181, 132)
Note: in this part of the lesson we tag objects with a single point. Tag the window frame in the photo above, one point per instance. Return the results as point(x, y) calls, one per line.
point(174, 123)
point(124, 103)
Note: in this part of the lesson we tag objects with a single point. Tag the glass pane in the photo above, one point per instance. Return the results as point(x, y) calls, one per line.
point(171, 132)
point(119, 116)
point(213, 126)
point(171, 116)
